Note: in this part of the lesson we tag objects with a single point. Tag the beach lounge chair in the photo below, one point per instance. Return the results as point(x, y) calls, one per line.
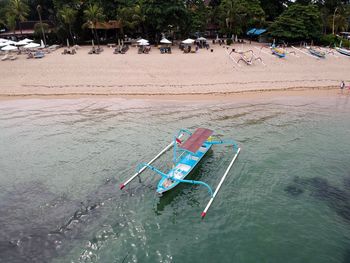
point(147, 50)
point(6, 57)
point(124, 49)
point(39, 54)
point(30, 55)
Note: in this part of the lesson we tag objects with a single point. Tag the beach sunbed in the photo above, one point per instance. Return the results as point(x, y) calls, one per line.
point(39, 54)
point(30, 55)
point(124, 49)
point(6, 57)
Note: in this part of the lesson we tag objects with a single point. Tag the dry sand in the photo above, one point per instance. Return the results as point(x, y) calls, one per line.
point(211, 73)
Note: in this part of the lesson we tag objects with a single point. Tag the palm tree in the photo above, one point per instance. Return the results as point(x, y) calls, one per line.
point(20, 10)
point(68, 17)
point(11, 22)
point(39, 9)
point(94, 14)
point(132, 17)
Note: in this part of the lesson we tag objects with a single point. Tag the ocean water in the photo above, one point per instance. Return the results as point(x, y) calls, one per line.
point(287, 198)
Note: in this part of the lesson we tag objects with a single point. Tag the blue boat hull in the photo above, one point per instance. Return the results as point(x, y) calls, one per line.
point(183, 168)
point(278, 54)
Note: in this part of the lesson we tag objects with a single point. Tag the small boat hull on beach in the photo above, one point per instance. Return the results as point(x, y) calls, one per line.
point(343, 51)
point(278, 52)
point(317, 53)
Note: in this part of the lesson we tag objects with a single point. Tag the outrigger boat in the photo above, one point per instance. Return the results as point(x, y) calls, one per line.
point(317, 53)
point(343, 51)
point(278, 52)
point(186, 155)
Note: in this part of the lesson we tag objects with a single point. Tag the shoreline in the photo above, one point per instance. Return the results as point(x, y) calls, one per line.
point(209, 96)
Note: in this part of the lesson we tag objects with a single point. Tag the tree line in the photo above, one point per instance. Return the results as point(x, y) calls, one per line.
point(288, 20)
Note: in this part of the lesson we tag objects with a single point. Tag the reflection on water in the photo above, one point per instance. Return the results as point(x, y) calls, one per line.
point(61, 160)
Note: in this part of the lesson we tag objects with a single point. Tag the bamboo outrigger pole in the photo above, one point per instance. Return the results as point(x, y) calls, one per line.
point(219, 185)
point(121, 186)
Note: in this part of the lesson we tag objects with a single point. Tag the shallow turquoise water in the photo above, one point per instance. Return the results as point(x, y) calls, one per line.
point(287, 198)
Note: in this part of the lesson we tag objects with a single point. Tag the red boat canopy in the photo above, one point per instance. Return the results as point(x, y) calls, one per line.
point(195, 141)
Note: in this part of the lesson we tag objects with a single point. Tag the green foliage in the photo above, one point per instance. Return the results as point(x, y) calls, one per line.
point(93, 14)
point(131, 17)
point(291, 20)
point(273, 8)
point(298, 22)
point(37, 30)
point(239, 15)
point(198, 14)
point(19, 9)
point(67, 16)
point(11, 22)
point(332, 40)
point(163, 15)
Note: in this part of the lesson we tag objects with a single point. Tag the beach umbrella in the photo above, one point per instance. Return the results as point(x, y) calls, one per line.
point(143, 43)
point(8, 48)
point(165, 41)
point(2, 44)
point(21, 43)
point(201, 39)
point(27, 40)
point(32, 45)
point(188, 41)
point(2, 40)
point(10, 42)
point(141, 40)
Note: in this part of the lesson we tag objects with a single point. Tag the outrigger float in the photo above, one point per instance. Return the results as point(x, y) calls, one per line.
point(186, 155)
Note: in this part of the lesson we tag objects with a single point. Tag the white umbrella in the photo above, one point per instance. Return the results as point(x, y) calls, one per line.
point(141, 40)
point(188, 41)
point(32, 45)
point(201, 39)
point(2, 44)
point(21, 43)
point(27, 40)
point(9, 48)
point(10, 42)
point(165, 41)
point(143, 43)
point(3, 40)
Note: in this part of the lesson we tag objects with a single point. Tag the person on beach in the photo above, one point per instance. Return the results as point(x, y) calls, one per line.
point(342, 86)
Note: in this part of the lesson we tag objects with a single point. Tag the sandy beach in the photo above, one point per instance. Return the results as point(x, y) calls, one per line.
point(202, 73)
